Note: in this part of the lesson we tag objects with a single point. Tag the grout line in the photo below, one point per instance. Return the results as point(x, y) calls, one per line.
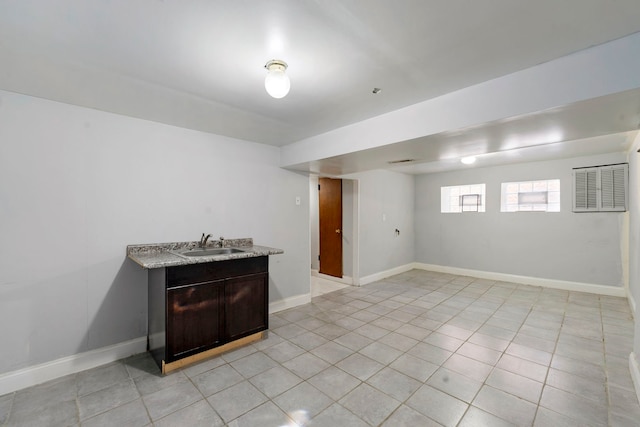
point(555, 347)
point(13, 399)
point(607, 386)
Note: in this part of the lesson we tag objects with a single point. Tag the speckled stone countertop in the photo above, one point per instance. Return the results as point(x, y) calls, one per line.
point(158, 255)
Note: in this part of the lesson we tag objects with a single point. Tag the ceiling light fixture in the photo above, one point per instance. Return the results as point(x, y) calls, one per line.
point(468, 160)
point(277, 82)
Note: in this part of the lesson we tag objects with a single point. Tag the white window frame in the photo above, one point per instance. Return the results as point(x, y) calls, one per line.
point(459, 198)
point(541, 195)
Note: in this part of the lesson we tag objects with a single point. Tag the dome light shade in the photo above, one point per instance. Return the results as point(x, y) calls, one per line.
point(277, 82)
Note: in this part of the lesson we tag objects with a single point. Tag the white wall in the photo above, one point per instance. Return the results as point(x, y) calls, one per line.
point(348, 198)
point(314, 221)
point(78, 185)
point(567, 246)
point(634, 255)
point(390, 194)
point(634, 226)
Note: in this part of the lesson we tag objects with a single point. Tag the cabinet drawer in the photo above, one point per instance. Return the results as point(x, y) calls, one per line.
point(198, 273)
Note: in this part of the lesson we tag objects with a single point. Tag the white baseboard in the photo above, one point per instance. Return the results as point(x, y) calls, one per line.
point(38, 374)
point(290, 302)
point(632, 304)
point(387, 273)
point(526, 280)
point(315, 272)
point(635, 373)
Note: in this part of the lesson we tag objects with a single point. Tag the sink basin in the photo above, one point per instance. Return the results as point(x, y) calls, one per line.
point(209, 252)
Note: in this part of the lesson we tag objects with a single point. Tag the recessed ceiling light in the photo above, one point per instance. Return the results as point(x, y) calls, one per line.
point(468, 160)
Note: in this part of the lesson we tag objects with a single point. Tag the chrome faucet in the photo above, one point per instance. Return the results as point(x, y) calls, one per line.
point(203, 240)
point(221, 242)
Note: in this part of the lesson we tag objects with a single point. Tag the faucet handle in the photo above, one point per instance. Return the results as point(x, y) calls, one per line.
point(203, 240)
point(221, 242)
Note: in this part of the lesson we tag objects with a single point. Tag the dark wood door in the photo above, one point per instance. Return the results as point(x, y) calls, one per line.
point(246, 305)
point(194, 318)
point(330, 205)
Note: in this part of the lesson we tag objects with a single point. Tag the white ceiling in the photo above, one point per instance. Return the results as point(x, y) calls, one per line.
point(199, 63)
point(596, 126)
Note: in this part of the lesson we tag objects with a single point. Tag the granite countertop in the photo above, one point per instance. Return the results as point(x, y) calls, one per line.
point(159, 255)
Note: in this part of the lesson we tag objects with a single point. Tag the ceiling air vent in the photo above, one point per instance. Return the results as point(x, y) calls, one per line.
point(394, 162)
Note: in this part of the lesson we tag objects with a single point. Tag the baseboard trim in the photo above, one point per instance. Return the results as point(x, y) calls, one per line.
point(387, 273)
point(527, 280)
point(290, 302)
point(635, 373)
point(632, 304)
point(38, 374)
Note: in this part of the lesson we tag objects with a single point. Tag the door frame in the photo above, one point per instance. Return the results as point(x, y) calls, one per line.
point(354, 235)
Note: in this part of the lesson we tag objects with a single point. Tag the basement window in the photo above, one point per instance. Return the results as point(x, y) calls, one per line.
point(530, 196)
point(462, 198)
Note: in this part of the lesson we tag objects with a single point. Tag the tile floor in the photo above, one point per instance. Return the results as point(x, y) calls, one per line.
point(416, 349)
point(321, 286)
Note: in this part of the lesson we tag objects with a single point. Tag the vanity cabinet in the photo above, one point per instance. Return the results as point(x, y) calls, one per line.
point(199, 310)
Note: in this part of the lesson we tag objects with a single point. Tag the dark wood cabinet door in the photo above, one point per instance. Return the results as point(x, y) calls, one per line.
point(194, 318)
point(246, 305)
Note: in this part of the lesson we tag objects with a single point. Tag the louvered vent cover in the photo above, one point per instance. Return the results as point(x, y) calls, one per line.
point(585, 190)
point(600, 188)
point(613, 197)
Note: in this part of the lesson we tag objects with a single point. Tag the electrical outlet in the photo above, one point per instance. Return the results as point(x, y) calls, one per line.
point(298, 201)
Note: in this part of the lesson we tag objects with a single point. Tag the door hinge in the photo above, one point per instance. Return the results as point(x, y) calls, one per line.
point(318, 257)
point(318, 187)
